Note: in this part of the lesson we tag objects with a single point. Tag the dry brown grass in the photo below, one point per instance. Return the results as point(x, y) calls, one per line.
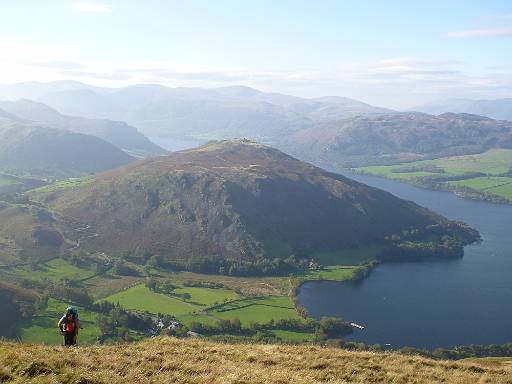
point(170, 360)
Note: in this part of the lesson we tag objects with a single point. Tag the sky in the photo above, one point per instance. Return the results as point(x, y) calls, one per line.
point(396, 54)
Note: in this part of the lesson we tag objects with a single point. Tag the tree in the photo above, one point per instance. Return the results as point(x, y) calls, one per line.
point(153, 262)
point(235, 325)
point(334, 327)
point(320, 336)
point(151, 284)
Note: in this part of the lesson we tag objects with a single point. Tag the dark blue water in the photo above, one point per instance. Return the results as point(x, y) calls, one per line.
point(431, 304)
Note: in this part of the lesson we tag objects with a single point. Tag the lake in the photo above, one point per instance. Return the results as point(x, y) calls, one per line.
point(431, 304)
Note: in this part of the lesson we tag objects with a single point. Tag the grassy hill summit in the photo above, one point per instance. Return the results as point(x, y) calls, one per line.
point(243, 201)
point(197, 361)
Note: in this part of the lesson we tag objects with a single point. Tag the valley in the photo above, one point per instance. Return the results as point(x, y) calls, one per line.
point(194, 299)
point(64, 248)
point(255, 192)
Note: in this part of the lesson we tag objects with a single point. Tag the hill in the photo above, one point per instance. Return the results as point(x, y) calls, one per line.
point(40, 151)
point(116, 133)
point(197, 361)
point(496, 109)
point(239, 200)
point(396, 138)
point(28, 233)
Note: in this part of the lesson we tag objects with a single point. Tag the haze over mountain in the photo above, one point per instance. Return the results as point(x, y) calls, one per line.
point(117, 133)
point(327, 131)
point(36, 150)
point(387, 139)
point(497, 108)
point(237, 200)
point(200, 113)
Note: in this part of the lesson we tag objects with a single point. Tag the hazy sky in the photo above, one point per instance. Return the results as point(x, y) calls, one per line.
point(390, 53)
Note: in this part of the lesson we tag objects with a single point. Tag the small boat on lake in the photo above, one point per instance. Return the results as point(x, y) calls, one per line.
point(358, 326)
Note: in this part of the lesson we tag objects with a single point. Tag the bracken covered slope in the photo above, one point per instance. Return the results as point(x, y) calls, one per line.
point(170, 360)
point(236, 200)
point(389, 139)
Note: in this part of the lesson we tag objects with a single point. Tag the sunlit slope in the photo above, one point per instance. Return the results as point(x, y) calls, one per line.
point(238, 200)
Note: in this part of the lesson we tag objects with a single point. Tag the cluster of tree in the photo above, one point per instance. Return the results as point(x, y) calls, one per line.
point(208, 265)
point(233, 326)
point(455, 353)
point(290, 324)
point(448, 247)
point(325, 328)
point(115, 325)
point(203, 284)
point(441, 240)
point(364, 270)
point(79, 260)
point(120, 268)
point(165, 287)
point(65, 289)
point(332, 328)
point(78, 296)
point(353, 345)
point(39, 284)
point(462, 351)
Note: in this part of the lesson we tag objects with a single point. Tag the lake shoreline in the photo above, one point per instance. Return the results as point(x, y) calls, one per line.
point(449, 292)
point(462, 192)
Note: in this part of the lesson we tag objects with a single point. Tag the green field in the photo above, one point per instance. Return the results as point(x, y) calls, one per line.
point(42, 328)
point(208, 296)
point(54, 270)
point(64, 184)
point(495, 164)
point(337, 273)
point(140, 298)
point(6, 180)
point(132, 294)
point(501, 186)
point(261, 309)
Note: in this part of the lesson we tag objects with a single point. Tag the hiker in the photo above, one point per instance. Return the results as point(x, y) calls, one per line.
point(68, 324)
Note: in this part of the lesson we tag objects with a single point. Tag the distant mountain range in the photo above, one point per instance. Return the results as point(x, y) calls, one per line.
point(396, 138)
point(496, 109)
point(184, 113)
point(328, 131)
point(238, 200)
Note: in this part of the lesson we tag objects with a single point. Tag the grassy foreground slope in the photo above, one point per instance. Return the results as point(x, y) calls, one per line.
point(196, 361)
